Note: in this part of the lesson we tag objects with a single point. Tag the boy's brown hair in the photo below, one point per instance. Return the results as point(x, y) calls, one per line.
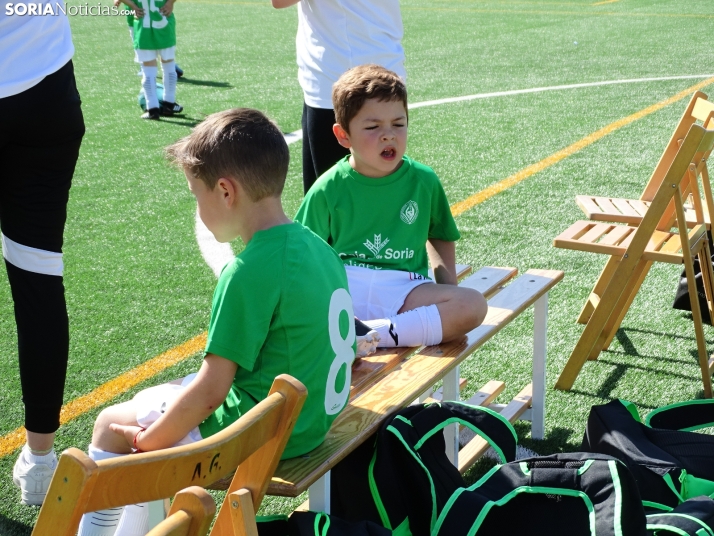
point(364, 82)
point(240, 143)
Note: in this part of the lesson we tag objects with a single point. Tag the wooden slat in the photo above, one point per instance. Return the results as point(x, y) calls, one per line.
point(623, 206)
point(596, 232)
point(475, 448)
point(605, 205)
point(616, 235)
point(405, 383)
point(702, 109)
point(588, 206)
point(489, 279)
point(576, 230)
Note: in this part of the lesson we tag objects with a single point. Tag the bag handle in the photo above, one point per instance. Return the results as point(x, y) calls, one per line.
point(686, 416)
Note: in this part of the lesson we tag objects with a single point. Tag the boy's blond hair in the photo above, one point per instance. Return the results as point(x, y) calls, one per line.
point(240, 143)
point(361, 83)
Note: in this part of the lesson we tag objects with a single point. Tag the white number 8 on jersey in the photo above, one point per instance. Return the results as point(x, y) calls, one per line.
point(344, 351)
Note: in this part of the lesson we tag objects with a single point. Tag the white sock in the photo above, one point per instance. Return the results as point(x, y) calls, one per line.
point(170, 78)
point(131, 34)
point(101, 522)
point(420, 326)
point(134, 521)
point(148, 83)
point(49, 459)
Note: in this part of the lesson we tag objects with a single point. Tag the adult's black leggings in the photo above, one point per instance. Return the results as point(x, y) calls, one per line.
point(40, 134)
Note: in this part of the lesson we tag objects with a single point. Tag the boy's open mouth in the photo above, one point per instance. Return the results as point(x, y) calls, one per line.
point(388, 153)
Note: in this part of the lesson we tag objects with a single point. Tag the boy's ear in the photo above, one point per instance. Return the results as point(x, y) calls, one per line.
point(342, 137)
point(228, 189)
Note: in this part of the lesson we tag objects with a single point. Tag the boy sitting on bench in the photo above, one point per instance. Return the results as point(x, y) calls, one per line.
point(281, 306)
point(384, 213)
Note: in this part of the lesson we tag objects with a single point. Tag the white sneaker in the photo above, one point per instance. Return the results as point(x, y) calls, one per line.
point(367, 339)
point(33, 479)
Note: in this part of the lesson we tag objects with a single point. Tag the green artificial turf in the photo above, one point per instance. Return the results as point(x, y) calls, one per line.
point(137, 285)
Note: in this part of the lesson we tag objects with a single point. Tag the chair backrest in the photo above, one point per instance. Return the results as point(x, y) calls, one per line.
point(699, 109)
point(191, 514)
point(254, 444)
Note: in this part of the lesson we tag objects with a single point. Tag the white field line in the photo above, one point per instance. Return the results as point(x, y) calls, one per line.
point(217, 255)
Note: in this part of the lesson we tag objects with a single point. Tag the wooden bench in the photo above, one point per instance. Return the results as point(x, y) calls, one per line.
point(397, 380)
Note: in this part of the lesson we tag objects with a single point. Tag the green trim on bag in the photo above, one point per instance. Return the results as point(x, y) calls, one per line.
point(693, 486)
point(524, 468)
point(631, 408)
point(658, 506)
point(403, 529)
point(418, 459)
point(455, 496)
point(670, 483)
point(375, 494)
point(475, 429)
point(585, 466)
point(670, 528)
point(705, 527)
point(273, 517)
point(528, 489)
point(679, 405)
point(612, 464)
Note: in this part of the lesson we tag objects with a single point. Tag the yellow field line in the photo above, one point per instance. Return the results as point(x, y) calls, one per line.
point(113, 388)
point(487, 193)
point(605, 2)
point(121, 384)
point(542, 12)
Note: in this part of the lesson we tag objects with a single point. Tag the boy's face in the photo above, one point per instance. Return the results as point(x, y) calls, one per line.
point(377, 137)
point(212, 207)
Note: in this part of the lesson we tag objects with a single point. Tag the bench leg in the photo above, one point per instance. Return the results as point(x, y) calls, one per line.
point(540, 325)
point(319, 494)
point(451, 432)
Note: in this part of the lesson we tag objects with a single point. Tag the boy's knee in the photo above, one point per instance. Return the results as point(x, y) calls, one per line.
point(474, 307)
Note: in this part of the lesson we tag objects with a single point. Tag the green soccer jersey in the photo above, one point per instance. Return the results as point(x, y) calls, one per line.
point(282, 307)
point(154, 31)
point(380, 223)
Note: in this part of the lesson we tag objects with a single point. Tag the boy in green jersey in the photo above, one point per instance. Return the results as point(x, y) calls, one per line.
point(387, 216)
point(281, 306)
point(154, 35)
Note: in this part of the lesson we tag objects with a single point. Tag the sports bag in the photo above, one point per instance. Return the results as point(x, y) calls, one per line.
point(669, 462)
point(403, 478)
point(694, 517)
point(316, 524)
point(572, 494)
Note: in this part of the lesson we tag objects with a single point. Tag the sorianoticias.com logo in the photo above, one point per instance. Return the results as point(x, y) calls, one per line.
point(54, 9)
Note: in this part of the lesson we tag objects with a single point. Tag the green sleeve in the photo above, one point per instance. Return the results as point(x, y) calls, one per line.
point(314, 214)
point(442, 225)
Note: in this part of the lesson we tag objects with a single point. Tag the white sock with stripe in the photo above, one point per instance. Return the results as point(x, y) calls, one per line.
point(134, 521)
point(170, 78)
point(148, 83)
point(420, 326)
point(101, 522)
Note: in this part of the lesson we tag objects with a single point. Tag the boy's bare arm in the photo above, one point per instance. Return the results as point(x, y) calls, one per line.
point(442, 257)
point(277, 4)
point(200, 398)
point(167, 8)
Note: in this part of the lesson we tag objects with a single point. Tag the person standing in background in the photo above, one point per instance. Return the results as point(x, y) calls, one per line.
point(40, 134)
point(334, 36)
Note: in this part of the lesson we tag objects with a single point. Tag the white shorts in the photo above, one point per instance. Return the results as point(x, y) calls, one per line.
point(153, 402)
point(380, 293)
point(166, 54)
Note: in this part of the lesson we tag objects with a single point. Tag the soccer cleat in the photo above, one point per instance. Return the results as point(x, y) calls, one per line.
point(170, 108)
point(151, 113)
point(367, 339)
point(179, 71)
point(33, 479)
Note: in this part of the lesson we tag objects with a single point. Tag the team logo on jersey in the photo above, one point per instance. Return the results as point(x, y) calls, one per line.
point(376, 246)
point(409, 212)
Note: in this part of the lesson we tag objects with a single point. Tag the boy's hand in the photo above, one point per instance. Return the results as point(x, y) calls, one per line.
point(129, 433)
point(138, 12)
point(167, 8)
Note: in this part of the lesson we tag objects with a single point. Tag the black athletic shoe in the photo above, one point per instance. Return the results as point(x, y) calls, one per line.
point(151, 113)
point(170, 108)
point(367, 339)
point(179, 71)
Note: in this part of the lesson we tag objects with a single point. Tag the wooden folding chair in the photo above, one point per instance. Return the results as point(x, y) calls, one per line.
point(191, 514)
point(631, 211)
point(253, 444)
point(632, 251)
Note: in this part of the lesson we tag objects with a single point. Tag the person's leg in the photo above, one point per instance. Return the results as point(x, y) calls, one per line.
point(321, 150)
point(34, 189)
point(148, 83)
point(168, 105)
point(431, 314)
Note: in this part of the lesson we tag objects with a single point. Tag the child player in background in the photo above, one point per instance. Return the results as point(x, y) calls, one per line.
point(386, 216)
point(154, 34)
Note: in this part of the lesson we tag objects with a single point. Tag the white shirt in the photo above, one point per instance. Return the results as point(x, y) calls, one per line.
point(32, 46)
point(336, 35)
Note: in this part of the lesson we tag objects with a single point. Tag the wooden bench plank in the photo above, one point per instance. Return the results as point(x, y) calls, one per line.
point(405, 383)
point(478, 446)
